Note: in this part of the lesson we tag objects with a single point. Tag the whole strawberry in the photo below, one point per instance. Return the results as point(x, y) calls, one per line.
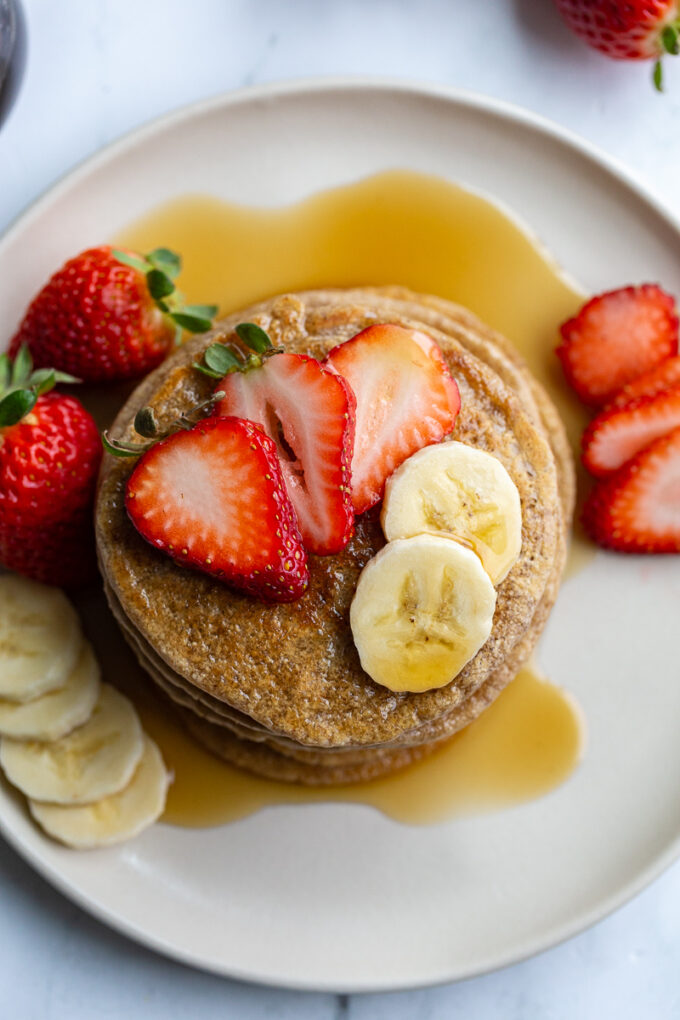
point(634, 30)
point(108, 315)
point(49, 457)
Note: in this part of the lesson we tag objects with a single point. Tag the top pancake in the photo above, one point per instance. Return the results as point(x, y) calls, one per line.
point(293, 668)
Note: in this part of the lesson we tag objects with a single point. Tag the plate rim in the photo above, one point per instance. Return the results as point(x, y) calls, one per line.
point(344, 83)
point(327, 84)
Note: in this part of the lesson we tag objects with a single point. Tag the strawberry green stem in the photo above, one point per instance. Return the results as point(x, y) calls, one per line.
point(220, 359)
point(160, 267)
point(670, 42)
point(20, 386)
point(146, 425)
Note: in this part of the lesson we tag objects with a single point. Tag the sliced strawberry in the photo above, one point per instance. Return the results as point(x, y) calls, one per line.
point(615, 338)
point(637, 510)
point(309, 414)
point(213, 498)
point(665, 376)
point(406, 399)
point(617, 434)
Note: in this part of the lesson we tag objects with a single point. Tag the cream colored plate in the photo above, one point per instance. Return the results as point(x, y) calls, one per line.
point(339, 897)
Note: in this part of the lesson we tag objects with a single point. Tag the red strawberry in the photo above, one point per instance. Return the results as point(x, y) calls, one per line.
point(309, 414)
point(637, 510)
point(617, 434)
point(616, 337)
point(406, 399)
point(49, 457)
point(108, 315)
point(635, 30)
point(665, 376)
point(213, 498)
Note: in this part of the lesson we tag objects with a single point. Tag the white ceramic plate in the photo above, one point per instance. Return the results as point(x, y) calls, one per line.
point(338, 896)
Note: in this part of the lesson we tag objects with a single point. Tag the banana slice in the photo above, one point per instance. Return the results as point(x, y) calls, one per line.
point(115, 818)
point(58, 712)
point(462, 492)
point(92, 762)
point(422, 609)
point(39, 638)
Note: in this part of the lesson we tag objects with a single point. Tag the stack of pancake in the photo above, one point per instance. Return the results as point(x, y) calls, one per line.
point(279, 689)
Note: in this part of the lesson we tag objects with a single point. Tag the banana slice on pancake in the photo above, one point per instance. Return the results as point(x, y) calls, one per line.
point(115, 818)
point(56, 713)
point(39, 638)
point(460, 492)
point(422, 609)
point(96, 760)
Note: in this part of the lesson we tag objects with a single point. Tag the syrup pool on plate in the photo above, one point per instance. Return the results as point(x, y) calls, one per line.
point(524, 745)
point(424, 233)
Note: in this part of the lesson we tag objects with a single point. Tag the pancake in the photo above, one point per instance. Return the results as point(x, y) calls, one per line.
point(263, 755)
point(264, 761)
point(277, 759)
point(288, 676)
point(217, 714)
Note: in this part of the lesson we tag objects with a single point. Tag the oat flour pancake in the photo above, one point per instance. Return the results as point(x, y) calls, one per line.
point(287, 678)
point(277, 758)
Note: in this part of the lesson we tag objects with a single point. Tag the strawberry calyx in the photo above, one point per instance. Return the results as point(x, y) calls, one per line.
point(160, 267)
point(20, 385)
point(146, 425)
point(220, 359)
point(670, 44)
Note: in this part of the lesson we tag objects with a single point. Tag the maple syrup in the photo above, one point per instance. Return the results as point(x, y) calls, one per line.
point(397, 227)
point(524, 745)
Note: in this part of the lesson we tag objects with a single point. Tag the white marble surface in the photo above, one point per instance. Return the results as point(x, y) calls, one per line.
point(98, 69)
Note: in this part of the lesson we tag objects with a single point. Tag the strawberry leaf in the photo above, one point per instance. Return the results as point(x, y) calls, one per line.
point(658, 76)
point(160, 285)
point(135, 261)
point(43, 380)
point(192, 323)
point(167, 261)
point(64, 377)
point(220, 359)
point(253, 337)
point(5, 371)
point(15, 405)
point(145, 423)
point(207, 371)
point(117, 449)
point(671, 40)
point(21, 369)
point(203, 311)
